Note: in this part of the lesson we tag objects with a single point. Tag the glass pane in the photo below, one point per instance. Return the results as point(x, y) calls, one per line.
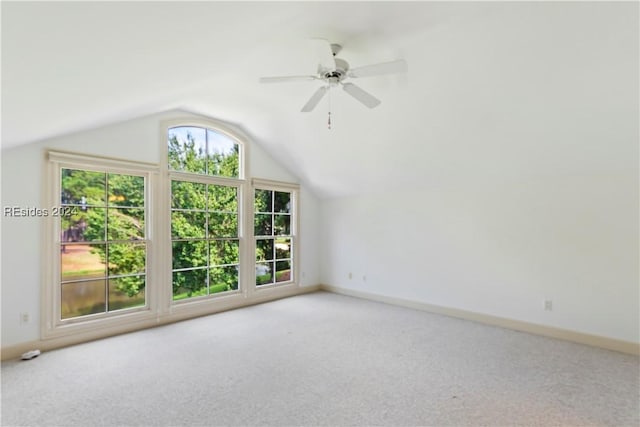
point(224, 159)
point(262, 202)
point(282, 225)
point(188, 225)
point(189, 254)
point(223, 225)
point(82, 298)
point(126, 258)
point(85, 225)
point(282, 202)
point(283, 248)
point(189, 283)
point(264, 249)
point(125, 224)
point(79, 262)
point(125, 190)
point(224, 252)
point(262, 224)
point(264, 273)
point(223, 279)
point(223, 199)
point(283, 271)
point(83, 188)
point(126, 292)
point(188, 195)
point(187, 149)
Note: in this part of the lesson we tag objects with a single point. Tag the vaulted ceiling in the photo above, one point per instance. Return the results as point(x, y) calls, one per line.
point(499, 90)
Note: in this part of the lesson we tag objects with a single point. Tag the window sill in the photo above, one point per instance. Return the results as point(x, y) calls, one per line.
point(101, 326)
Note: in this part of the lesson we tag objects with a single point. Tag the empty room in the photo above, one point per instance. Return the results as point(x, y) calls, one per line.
point(320, 213)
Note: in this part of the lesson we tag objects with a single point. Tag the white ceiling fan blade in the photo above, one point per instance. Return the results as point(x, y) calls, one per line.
point(315, 98)
point(399, 66)
point(358, 93)
point(284, 79)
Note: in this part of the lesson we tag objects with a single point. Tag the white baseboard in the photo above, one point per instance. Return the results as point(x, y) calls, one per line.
point(518, 325)
point(13, 352)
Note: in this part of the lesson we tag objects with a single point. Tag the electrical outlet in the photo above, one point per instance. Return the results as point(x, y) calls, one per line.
point(364, 278)
point(350, 276)
point(548, 305)
point(24, 318)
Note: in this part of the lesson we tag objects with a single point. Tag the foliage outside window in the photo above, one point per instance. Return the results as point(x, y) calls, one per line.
point(203, 151)
point(102, 242)
point(204, 212)
point(107, 248)
point(274, 237)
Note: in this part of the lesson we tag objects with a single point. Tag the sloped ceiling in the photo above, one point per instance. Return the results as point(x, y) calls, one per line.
point(495, 91)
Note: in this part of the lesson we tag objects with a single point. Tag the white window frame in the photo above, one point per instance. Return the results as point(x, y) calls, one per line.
point(294, 189)
point(160, 307)
point(52, 324)
point(204, 179)
point(203, 304)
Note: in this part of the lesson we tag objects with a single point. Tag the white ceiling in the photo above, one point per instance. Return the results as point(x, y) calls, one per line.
point(504, 90)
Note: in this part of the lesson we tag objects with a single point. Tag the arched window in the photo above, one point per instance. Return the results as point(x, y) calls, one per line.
point(206, 171)
point(122, 233)
point(203, 151)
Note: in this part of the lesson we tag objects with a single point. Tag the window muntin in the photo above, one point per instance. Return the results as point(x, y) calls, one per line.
point(203, 151)
point(274, 237)
point(102, 242)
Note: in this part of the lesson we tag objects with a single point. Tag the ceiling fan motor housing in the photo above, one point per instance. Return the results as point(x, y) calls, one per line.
point(339, 73)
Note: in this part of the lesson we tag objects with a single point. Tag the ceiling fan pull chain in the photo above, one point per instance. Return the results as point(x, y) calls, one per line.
point(329, 118)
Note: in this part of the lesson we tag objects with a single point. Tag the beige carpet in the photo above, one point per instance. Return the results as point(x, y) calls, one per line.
point(323, 359)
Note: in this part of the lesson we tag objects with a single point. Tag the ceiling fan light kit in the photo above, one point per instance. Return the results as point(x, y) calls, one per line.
point(334, 71)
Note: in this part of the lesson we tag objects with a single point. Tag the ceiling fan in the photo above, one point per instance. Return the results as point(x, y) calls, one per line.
point(334, 71)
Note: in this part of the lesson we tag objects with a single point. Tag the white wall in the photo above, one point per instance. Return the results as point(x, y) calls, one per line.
point(138, 140)
point(498, 249)
point(494, 247)
point(264, 166)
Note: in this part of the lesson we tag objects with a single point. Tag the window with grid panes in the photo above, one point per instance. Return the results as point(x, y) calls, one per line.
point(204, 167)
point(273, 212)
point(103, 246)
